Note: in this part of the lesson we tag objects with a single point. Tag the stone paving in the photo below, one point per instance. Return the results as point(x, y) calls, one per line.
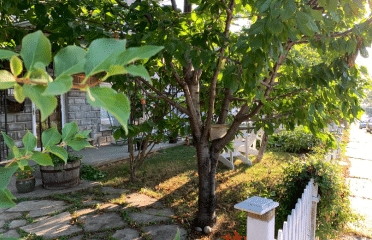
point(98, 213)
point(360, 178)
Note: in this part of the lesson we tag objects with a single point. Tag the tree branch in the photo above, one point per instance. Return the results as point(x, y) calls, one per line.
point(212, 92)
point(161, 96)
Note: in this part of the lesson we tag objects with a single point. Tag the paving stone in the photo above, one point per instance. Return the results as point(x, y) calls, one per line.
point(126, 234)
point(17, 223)
point(166, 212)
point(360, 187)
point(113, 196)
point(91, 202)
point(109, 206)
point(84, 212)
point(9, 216)
point(101, 235)
point(52, 227)
point(113, 190)
point(11, 233)
point(90, 196)
point(76, 237)
point(164, 232)
point(3, 210)
point(145, 218)
point(2, 223)
point(141, 200)
point(102, 221)
point(43, 207)
point(41, 218)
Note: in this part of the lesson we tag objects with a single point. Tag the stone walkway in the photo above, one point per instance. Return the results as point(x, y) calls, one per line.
point(95, 213)
point(359, 152)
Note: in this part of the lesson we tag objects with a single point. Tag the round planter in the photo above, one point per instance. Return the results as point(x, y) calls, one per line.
point(218, 131)
point(25, 185)
point(61, 176)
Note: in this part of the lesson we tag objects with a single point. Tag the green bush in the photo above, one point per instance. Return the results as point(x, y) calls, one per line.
point(88, 172)
point(297, 141)
point(333, 212)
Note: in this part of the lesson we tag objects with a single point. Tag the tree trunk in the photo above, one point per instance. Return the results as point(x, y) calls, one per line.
point(263, 144)
point(207, 165)
point(132, 169)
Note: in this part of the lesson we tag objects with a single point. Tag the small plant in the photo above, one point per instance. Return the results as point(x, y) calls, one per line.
point(71, 158)
point(24, 174)
point(91, 173)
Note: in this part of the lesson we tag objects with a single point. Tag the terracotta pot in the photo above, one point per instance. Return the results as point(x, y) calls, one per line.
point(25, 185)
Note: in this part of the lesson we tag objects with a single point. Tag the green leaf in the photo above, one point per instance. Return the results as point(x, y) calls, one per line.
point(263, 5)
point(178, 235)
point(16, 65)
point(59, 86)
point(46, 104)
point(117, 134)
point(257, 27)
point(5, 175)
point(60, 152)
point(42, 159)
point(18, 93)
point(78, 144)
point(101, 54)
point(276, 27)
point(29, 141)
point(8, 140)
point(69, 130)
point(36, 48)
point(69, 60)
point(6, 79)
point(6, 199)
point(50, 137)
point(115, 103)
point(138, 71)
point(5, 54)
point(133, 54)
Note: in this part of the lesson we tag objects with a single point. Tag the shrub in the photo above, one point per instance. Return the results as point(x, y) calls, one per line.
point(333, 212)
point(297, 141)
point(88, 172)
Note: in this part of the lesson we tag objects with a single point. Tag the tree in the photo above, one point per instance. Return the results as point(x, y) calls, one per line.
point(255, 69)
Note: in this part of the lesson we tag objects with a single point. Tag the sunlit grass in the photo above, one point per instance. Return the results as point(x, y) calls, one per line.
point(171, 175)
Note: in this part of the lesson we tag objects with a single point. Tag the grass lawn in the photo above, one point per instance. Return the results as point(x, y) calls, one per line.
point(171, 176)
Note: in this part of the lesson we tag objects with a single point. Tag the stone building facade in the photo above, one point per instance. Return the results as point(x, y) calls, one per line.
point(75, 108)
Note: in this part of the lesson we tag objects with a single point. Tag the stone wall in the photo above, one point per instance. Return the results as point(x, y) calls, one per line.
point(18, 123)
point(87, 117)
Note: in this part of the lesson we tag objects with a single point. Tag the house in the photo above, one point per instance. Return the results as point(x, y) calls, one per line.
point(16, 118)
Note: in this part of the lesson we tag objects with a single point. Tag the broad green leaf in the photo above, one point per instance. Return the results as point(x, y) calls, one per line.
point(263, 5)
point(117, 134)
point(69, 61)
point(5, 54)
point(101, 54)
point(78, 144)
point(18, 93)
point(36, 48)
point(69, 130)
point(16, 65)
point(6, 199)
point(59, 86)
point(115, 103)
point(60, 152)
point(136, 53)
point(138, 71)
point(39, 75)
point(46, 104)
point(83, 134)
point(8, 140)
point(5, 175)
point(29, 141)
point(7, 80)
point(17, 153)
point(51, 137)
point(276, 26)
point(42, 158)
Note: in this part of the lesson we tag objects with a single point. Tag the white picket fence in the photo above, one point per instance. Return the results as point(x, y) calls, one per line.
point(300, 225)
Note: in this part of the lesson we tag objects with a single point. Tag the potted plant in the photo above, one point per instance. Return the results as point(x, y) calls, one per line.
point(25, 180)
point(62, 175)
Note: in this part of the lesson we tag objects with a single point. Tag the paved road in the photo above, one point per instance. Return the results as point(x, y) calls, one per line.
point(359, 151)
